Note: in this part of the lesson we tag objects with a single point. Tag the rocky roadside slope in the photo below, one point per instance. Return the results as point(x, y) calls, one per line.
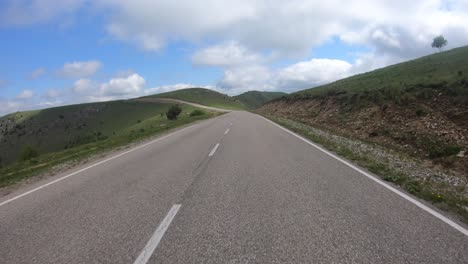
point(433, 130)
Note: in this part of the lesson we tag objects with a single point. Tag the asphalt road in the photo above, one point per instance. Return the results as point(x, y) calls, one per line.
point(233, 189)
point(170, 100)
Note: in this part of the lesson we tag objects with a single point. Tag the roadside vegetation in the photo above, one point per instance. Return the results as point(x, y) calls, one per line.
point(173, 112)
point(32, 143)
point(197, 112)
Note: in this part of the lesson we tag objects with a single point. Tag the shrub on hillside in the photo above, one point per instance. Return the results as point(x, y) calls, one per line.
point(173, 112)
point(436, 148)
point(28, 153)
point(197, 112)
point(421, 112)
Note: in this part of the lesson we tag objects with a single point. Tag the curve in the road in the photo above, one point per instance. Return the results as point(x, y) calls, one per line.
point(170, 100)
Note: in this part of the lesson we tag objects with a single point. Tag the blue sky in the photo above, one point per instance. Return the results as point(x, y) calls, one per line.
point(72, 51)
point(49, 47)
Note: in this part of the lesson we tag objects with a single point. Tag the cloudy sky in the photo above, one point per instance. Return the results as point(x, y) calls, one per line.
point(69, 51)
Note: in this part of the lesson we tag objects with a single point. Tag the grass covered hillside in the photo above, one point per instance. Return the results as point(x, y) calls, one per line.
point(255, 99)
point(35, 140)
point(445, 72)
point(204, 97)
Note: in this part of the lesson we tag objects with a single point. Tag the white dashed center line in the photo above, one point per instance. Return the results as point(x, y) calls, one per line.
point(146, 253)
point(227, 131)
point(213, 150)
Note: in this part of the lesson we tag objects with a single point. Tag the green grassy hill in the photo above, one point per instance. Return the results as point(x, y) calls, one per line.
point(63, 133)
point(255, 99)
point(204, 97)
point(402, 82)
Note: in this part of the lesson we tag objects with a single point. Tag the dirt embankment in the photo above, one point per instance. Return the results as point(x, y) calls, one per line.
point(434, 129)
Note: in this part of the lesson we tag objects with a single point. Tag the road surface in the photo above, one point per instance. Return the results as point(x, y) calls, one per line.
point(233, 189)
point(170, 100)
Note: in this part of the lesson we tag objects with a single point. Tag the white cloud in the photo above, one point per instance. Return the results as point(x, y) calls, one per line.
point(386, 38)
point(243, 68)
point(371, 61)
point(296, 76)
point(121, 87)
point(25, 94)
point(143, 40)
point(229, 54)
point(169, 88)
point(311, 73)
point(244, 78)
point(52, 93)
point(83, 86)
point(287, 27)
point(246, 70)
point(79, 69)
point(125, 85)
point(149, 43)
point(133, 85)
point(18, 104)
point(9, 106)
point(37, 73)
point(280, 27)
point(27, 100)
point(153, 23)
point(47, 104)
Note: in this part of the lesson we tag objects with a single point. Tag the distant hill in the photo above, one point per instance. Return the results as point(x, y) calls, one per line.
point(401, 81)
point(419, 107)
point(204, 97)
point(255, 99)
point(60, 128)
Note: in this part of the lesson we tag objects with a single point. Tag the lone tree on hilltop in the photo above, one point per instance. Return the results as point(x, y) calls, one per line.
point(439, 42)
point(173, 112)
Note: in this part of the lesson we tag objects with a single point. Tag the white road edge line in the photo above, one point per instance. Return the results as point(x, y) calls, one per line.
point(401, 194)
point(227, 131)
point(153, 243)
point(89, 167)
point(212, 152)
